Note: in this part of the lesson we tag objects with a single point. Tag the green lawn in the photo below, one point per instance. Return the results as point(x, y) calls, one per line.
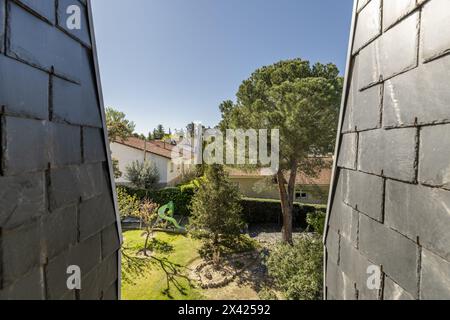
point(152, 284)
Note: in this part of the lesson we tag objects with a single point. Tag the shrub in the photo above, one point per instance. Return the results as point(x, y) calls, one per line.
point(216, 212)
point(267, 294)
point(188, 176)
point(316, 221)
point(298, 270)
point(129, 204)
point(181, 197)
point(192, 186)
point(254, 211)
point(143, 175)
point(116, 170)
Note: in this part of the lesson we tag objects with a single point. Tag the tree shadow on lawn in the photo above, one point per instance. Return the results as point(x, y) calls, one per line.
point(156, 246)
point(174, 273)
point(136, 262)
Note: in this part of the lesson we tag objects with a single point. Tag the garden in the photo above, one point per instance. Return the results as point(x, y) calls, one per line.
point(202, 240)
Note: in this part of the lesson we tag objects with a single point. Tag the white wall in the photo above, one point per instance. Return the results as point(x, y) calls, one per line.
point(127, 155)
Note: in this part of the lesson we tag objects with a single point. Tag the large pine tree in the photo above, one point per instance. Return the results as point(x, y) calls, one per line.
point(302, 102)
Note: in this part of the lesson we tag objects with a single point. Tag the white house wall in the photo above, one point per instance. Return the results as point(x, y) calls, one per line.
point(127, 155)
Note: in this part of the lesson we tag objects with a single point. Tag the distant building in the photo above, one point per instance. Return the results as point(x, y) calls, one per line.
point(310, 190)
point(158, 152)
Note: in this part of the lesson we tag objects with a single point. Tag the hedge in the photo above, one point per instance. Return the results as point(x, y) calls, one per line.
point(255, 211)
point(261, 211)
point(180, 196)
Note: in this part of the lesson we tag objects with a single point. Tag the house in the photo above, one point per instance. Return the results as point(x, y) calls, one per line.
point(158, 152)
point(310, 190)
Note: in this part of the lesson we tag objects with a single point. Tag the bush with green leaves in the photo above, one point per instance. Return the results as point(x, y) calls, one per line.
point(116, 169)
point(316, 221)
point(181, 196)
point(297, 270)
point(216, 212)
point(143, 175)
point(129, 205)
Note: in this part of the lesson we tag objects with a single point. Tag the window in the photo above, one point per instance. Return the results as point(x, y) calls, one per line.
point(171, 167)
point(301, 195)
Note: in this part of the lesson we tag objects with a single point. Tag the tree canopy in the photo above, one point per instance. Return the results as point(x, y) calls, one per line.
point(118, 126)
point(159, 132)
point(300, 100)
point(143, 175)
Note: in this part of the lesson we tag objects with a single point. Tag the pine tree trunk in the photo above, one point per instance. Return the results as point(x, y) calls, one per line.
point(287, 202)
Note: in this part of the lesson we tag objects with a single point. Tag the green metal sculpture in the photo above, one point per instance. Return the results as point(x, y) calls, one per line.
point(166, 213)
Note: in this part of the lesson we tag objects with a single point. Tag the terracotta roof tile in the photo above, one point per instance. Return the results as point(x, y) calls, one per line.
point(323, 178)
point(159, 148)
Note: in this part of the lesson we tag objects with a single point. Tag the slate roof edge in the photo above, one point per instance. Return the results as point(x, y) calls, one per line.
point(105, 134)
point(338, 138)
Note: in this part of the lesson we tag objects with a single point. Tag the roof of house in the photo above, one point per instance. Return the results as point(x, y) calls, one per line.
point(323, 178)
point(159, 148)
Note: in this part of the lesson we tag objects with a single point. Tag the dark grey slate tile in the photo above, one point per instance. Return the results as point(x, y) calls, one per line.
point(86, 255)
point(65, 144)
point(434, 163)
point(355, 266)
point(45, 47)
point(86, 182)
point(394, 11)
point(95, 215)
point(20, 252)
point(368, 25)
point(349, 150)
point(30, 287)
point(389, 152)
point(110, 240)
point(68, 13)
point(60, 231)
point(27, 145)
point(23, 89)
point(93, 145)
point(44, 8)
point(435, 23)
point(364, 192)
point(420, 95)
point(78, 104)
point(386, 247)
point(417, 211)
point(22, 198)
point(393, 292)
point(435, 284)
point(338, 284)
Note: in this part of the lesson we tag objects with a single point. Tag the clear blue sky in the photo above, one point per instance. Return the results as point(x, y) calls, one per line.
point(174, 61)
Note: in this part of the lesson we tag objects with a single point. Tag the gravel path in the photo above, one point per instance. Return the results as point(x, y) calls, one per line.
point(270, 234)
